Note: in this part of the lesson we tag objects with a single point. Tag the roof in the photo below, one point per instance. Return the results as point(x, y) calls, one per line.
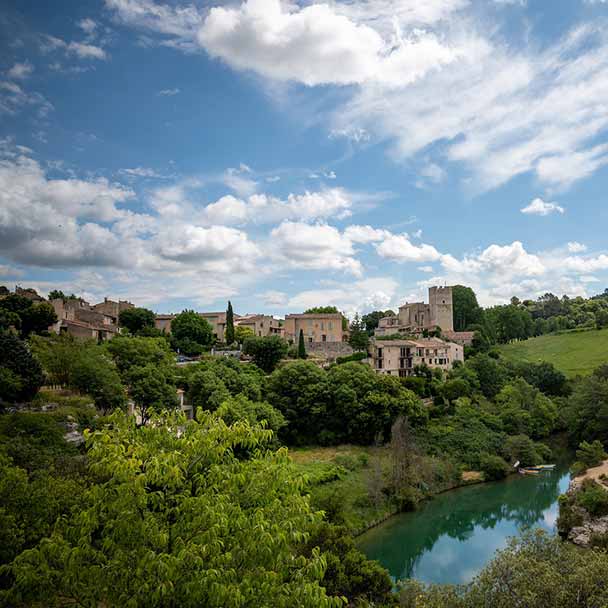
point(419, 342)
point(110, 328)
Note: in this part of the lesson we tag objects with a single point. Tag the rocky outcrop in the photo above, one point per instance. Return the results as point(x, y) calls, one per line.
point(583, 513)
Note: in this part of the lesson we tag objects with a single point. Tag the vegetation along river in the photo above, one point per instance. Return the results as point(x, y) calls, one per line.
point(451, 537)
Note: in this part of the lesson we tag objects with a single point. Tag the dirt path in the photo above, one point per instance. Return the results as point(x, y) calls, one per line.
point(593, 473)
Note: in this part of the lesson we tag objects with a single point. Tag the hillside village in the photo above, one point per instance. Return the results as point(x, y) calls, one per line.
point(420, 334)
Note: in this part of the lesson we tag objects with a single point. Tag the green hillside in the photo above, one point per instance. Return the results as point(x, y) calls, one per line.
point(577, 352)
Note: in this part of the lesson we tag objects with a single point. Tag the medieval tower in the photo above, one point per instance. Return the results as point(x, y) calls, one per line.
point(440, 304)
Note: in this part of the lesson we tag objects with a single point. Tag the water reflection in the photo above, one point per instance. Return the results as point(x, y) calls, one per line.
point(453, 536)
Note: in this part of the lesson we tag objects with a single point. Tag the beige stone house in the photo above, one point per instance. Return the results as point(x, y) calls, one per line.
point(400, 357)
point(78, 318)
point(111, 308)
point(261, 325)
point(316, 327)
point(414, 318)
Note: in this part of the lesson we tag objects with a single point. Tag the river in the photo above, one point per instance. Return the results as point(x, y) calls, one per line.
point(451, 537)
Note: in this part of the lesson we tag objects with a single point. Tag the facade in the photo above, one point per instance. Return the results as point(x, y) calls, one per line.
point(163, 323)
point(415, 318)
point(400, 357)
point(261, 325)
point(111, 308)
point(316, 327)
point(79, 319)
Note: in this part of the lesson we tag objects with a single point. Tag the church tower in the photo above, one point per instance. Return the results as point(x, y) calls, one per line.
point(440, 303)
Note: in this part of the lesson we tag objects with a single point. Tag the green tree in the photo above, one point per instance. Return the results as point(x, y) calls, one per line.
point(180, 519)
point(266, 351)
point(130, 351)
point(591, 454)
point(191, 333)
point(152, 389)
point(359, 338)
point(586, 413)
point(33, 317)
point(301, 346)
point(20, 373)
point(96, 375)
point(466, 310)
point(372, 319)
point(524, 409)
point(321, 310)
point(300, 391)
point(136, 319)
point(229, 334)
point(238, 408)
point(241, 333)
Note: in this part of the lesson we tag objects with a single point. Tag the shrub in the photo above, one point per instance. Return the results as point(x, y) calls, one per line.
point(593, 498)
point(591, 454)
point(493, 467)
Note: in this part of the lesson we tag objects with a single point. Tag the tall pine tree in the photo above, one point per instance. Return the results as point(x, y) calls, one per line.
point(301, 347)
point(229, 334)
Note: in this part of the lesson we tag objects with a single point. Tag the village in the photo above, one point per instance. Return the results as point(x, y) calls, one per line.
point(421, 334)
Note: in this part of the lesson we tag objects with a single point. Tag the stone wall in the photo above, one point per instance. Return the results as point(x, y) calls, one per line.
point(329, 350)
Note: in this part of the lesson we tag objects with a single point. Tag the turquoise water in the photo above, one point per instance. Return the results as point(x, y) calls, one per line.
point(451, 538)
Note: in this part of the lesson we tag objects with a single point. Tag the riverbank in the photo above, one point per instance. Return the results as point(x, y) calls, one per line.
point(452, 537)
point(347, 483)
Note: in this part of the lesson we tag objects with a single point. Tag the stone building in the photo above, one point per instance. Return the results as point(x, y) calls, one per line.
point(327, 327)
point(111, 308)
point(414, 318)
point(78, 318)
point(261, 325)
point(400, 357)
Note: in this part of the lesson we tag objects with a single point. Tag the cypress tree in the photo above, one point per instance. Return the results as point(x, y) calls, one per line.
point(229, 337)
point(301, 347)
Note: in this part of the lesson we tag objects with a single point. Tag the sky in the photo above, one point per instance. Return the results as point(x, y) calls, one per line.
point(292, 153)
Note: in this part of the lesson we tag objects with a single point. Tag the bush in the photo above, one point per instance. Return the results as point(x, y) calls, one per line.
point(20, 373)
point(354, 357)
point(593, 498)
point(591, 454)
point(493, 467)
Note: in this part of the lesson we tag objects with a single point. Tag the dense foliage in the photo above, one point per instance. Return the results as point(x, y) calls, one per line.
point(136, 320)
point(25, 315)
point(535, 571)
point(20, 373)
point(176, 518)
point(190, 333)
point(266, 351)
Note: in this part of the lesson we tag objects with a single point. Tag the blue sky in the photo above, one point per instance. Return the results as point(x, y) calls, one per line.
point(285, 154)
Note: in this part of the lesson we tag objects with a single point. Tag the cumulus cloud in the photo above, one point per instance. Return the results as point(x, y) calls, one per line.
point(399, 248)
point(313, 247)
point(374, 293)
point(575, 247)
point(315, 45)
point(540, 207)
point(87, 25)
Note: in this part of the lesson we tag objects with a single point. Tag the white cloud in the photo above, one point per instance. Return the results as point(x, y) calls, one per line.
point(141, 172)
point(237, 181)
point(374, 293)
point(86, 51)
point(540, 207)
point(87, 25)
point(168, 92)
point(315, 44)
point(575, 247)
point(274, 298)
point(313, 247)
point(263, 209)
point(14, 99)
point(399, 248)
point(177, 24)
point(20, 71)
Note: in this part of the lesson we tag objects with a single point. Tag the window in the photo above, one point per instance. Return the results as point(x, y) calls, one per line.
point(380, 363)
point(380, 353)
point(323, 338)
point(331, 325)
point(309, 322)
point(322, 325)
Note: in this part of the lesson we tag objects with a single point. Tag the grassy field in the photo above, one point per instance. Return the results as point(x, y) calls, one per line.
point(573, 352)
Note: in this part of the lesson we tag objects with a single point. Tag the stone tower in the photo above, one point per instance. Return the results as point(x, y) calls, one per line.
point(440, 303)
